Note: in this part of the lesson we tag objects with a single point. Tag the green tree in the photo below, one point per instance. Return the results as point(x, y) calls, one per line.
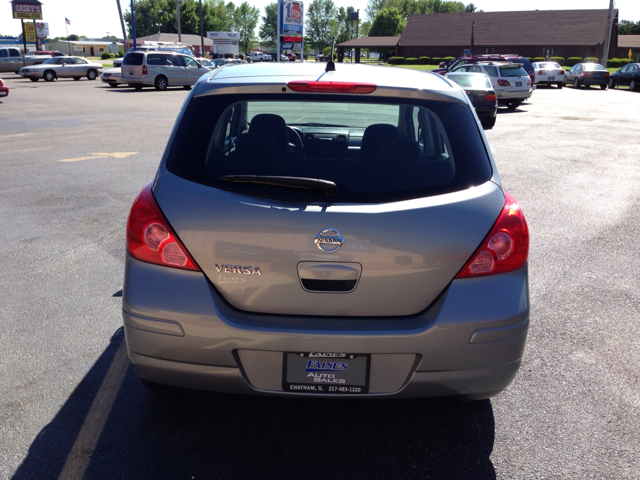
point(627, 27)
point(388, 23)
point(246, 19)
point(269, 27)
point(346, 28)
point(321, 23)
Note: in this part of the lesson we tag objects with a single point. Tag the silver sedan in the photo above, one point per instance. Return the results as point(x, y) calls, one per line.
point(63, 67)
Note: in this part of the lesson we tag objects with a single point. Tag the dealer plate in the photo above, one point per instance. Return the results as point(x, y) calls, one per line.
point(326, 372)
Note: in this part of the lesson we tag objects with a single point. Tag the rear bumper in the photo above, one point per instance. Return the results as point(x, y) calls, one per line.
point(514, 95)
point(180, 332)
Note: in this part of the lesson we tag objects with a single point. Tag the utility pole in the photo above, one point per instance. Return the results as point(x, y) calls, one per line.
point(201, 30)
point(607, 40)
point(124, 31)
point(178, 15)
point(473, 35)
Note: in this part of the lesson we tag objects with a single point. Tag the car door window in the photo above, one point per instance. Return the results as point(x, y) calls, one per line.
point(178, 61)
point(14, 52)
point(156, 59)
point(80, 61)
point(4, 53)
point(491, 71)
point(475, 69)
point(190, 62)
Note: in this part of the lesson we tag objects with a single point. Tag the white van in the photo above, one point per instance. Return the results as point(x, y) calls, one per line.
point(160, 70)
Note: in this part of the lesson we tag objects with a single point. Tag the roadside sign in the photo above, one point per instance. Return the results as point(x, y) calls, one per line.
point(629, 54)
point(30, 37)
point(42, 29)
point(113, 48)
point(467, 52)
point(27, 11)
point(292, 17)
point(286, 46)
point(29, 28)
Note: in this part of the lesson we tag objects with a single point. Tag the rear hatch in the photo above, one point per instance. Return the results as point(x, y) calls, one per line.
point(356, 206)
point(132, 66)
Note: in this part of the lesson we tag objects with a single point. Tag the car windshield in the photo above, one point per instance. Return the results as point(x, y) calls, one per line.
point(54, 61)
point(368, 149)
point(478, 81)
point(515, 70)
point(589, 67)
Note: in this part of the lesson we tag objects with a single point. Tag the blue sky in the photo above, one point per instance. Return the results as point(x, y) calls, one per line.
point(96, 18)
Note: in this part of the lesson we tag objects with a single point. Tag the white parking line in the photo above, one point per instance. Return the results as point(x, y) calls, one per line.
point(82, 450)
point(16, 135)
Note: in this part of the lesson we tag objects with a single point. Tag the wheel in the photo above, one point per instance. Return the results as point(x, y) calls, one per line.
point(161, 83)
point(295, 138)
point(92, 74)
point(76, 78)
point(34, 79)
point(576, 84)
point(113, 85)
point(603, 87)
point(559, 84)
point(49, 76)
point(138, 87)
point(611, 84)
point(187, 87)
point(632, 85)
point(513, 105)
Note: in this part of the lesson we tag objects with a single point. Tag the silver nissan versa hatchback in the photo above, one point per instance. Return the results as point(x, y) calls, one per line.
point(335, 233)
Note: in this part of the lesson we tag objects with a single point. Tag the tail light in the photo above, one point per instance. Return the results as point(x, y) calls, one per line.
point(144, 69)
point(586, 74)
point(561, 72)
point(529, 82)
point(505, 249)
point(151, 239)
point(606, 75)
point(541, 72)
point(491, 97)
point(503, 83)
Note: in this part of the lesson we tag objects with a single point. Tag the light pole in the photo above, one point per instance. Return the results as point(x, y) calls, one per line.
point(159, 23)
point(178, 15)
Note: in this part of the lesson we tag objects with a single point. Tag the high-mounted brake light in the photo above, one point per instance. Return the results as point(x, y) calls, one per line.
point(505, 249)
point(331, 87)
point(151, 239)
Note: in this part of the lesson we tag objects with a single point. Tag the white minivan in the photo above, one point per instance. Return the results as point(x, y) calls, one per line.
point(160, 70)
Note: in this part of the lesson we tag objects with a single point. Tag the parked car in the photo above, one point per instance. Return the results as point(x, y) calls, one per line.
point(587, 74)
point(510, 81)
point(258, 57)
point(51, 53)
point(483, 97)
point(524, 61)
point(628, 75)
point(12, 60)
point(312, 234)
point(63, 67)
point(548, 73)
point(161, 70)
point(113, 77)
point(451, 65)
point(4, 90)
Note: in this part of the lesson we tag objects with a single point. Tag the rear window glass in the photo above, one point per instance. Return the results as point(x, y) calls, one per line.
point(133, 59)
point(513, 71)
point(471, 81)
point(371, 149)
point(548, 65)
point(593, 66)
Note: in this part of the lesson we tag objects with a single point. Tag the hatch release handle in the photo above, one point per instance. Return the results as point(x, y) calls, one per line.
point(327, 277)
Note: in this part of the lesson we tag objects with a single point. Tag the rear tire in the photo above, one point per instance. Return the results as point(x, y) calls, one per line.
point(49, 76)
point(187, 87)
point(632, 85)
point(161, 83)
point(489, 123)
point(34, 79)
point(576, 84)
point(513, 105)
point(603, 87)
point(92, 74)
point(138, 87)
point(113, 85)
point(611, 84)
point(559, 85)
point(76, 78)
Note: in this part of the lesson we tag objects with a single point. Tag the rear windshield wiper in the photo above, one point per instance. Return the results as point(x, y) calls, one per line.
point(324, 186)
point(317, 124)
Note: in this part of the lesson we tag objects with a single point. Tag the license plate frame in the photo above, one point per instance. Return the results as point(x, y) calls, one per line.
point(326, 373)
point(551, 78)
point(518, 84)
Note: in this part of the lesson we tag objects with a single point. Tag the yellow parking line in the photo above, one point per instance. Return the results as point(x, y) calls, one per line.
point(99, 155)
point(81, 158)
point(87, 439)
point(16, 135)
point(27, 150)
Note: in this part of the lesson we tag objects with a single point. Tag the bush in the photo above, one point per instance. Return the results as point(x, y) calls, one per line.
point(424, 60)
point(571, 61)
point(558, 60)
point(528, 58)
point(538, 59)
point(396, 60)
point(435, 60)
point(591, 60)
point(105, 56)
point(411, 61)
point(446, 59)
point(120, 54)
point(613, 63)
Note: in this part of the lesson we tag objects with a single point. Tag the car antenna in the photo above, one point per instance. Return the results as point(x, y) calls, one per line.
point(331, 66)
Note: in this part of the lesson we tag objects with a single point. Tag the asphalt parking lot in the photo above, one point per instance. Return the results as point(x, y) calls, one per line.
point(74, 155)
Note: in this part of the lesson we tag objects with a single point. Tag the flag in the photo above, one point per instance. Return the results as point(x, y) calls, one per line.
point(67, 21)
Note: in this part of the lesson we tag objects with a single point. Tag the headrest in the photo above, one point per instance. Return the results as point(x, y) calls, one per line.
point(374, 136)
point(273, 125)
